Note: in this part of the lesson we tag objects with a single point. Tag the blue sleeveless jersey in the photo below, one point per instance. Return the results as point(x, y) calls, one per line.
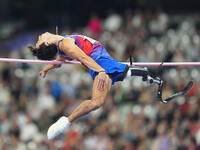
point(95, 50)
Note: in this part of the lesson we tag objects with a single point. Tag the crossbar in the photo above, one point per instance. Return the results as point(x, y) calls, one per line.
point(11, 60)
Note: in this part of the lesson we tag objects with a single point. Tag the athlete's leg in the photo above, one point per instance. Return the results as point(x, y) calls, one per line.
point(98, 98)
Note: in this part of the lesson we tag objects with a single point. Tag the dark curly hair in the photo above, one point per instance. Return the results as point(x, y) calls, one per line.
point(44, 52)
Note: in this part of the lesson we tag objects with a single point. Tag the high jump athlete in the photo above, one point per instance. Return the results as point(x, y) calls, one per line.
point(104, 70)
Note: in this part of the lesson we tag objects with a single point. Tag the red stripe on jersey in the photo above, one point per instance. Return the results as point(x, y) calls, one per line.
point(85, 45)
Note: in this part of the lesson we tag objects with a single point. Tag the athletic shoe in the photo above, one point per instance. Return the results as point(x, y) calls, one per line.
point(58, 127)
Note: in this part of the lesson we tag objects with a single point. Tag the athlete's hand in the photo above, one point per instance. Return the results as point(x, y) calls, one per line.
point(43, 73)
point(102, 76)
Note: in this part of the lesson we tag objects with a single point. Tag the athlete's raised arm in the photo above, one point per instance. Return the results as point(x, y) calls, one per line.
point(48, 67)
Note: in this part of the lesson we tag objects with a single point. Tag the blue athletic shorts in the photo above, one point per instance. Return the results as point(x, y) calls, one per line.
point(116, 71)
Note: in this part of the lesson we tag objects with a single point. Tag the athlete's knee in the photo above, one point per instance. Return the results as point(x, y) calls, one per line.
point(98, 102)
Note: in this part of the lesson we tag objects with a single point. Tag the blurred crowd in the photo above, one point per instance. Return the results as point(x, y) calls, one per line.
point(131, 118)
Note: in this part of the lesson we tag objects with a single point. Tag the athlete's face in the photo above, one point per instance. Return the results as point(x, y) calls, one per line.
point(43, 38)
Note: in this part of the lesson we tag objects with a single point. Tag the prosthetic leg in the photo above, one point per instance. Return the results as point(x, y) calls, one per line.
point(145, 74)
point(152, 79)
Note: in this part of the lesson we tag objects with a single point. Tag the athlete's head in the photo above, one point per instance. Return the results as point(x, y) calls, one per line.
point(45, 47)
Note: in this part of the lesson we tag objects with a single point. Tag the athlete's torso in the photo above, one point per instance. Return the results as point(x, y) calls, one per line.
point(99, 54)
point(89, 46)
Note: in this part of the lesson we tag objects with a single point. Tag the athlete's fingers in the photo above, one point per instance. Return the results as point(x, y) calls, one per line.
point(42, 74)
point(101, 85)
point(101, 81)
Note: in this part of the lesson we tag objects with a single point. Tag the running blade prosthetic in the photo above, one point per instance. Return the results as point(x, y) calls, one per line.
point(180, 93)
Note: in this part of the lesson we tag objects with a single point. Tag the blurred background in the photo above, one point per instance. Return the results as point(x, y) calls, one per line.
point(131, 119)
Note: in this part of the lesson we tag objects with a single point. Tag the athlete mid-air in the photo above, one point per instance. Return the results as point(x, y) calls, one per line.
point(104, 70)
